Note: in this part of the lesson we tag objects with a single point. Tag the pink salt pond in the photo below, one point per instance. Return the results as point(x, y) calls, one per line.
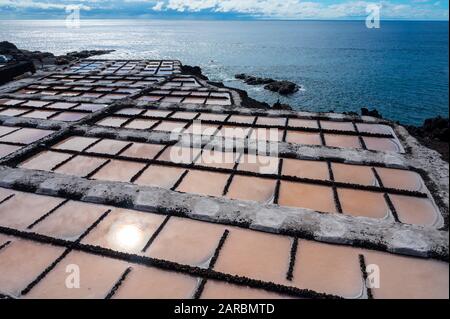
point(76, 143)
point(70, 220)
point(13, 112)
point(69, 116)
point(211, 158)
point(187, 242)
point(363, 203)
point(7, 130)
point(203, 183)
point(45, 161)
point(342, 141)
point(118, 171)
point(107, 146)
point(36, 103)
point(212, 117)
point(271, 121)
point(171, 126)
point(337, 126)
point(39, 114)
point(26, 136)
point(231, 132)
point(409, 278)
point(160, 176)
point(112, 121)
point(303, 123)
point(328, 269)
point(267, 134)
point(252, 188)
point(241, 119)
point(304, 138)
point(142, 150)
point(417, 211)
point(22, 261)
point(400, 179)
point(178, 154)
point(124, 230)
point(99, 274)
point(306, 169)
point(24, 209)
point(382, 144)
point(141, 124)
point(81, 166)
point(353, 174)
point(61, 105)
point(153, 283)
point(255, 255)
point(221, 290)
point(318, 198)
point(5, 149)
point(184, 115)
point(258, 164)
point(374, 128)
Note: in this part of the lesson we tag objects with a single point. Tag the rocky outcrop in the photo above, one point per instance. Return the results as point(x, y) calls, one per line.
point(435, 128)
point(194, 70)
point(281, 87)
point(73, 56)
point(23, 61)
point(373, 113)
point(281, 106)
point(252, 80)
point(40, 59)
point(433, 134)
point(14, 70)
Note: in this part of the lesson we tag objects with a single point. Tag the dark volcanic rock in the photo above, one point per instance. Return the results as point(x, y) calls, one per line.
point(435, 128)
point(22, 61)
point(15, 69)
point(62, 61)
point(45, 58)
point(7, 48)
point(194, 70)
point(253, 80)
point(282, 87)
point(84, 54)
point(281, 106)
point(433, 134)
point(373, 113)
point(247, 101)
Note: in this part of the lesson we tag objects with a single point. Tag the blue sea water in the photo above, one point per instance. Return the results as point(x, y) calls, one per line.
point(401, 69)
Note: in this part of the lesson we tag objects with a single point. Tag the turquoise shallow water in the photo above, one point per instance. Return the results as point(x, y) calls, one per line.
point(400, 69)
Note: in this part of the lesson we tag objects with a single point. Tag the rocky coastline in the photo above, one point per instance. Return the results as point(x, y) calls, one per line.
point(17, 62)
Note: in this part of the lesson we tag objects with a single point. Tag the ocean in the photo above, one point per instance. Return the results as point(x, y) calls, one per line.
point(400, 69)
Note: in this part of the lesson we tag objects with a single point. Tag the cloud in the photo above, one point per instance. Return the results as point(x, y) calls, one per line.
point(158, 6)
point(42, 5)
point(297, 9)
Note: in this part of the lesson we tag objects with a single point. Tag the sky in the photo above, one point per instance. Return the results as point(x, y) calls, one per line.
point(226, 9)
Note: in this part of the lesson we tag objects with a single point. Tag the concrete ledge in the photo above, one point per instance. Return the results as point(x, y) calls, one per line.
point(330, 228)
